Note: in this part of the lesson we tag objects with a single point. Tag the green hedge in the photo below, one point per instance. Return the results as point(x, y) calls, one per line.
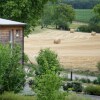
point(92, 90)
point(89, 28)
point(84, 28)
point(97, 81)
point(84, 80)
point(75, 85)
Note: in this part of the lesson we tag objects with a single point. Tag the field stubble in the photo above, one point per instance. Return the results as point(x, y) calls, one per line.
point(76, 50)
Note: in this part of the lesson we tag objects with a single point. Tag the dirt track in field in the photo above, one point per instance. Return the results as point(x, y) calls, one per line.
point(76, 50)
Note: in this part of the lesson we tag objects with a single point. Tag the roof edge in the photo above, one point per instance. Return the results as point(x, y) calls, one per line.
point(10, 22)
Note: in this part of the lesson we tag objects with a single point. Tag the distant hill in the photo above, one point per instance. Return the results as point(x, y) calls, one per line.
point(82, 4)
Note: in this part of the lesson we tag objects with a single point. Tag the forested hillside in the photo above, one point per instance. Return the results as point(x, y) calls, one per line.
point(82, 4)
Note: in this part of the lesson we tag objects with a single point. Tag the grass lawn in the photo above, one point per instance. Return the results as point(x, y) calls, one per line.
point(12, 96)
point(76, 24)
point(38, 29)
point(83, 15)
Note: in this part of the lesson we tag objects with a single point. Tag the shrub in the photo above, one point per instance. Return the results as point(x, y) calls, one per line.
point(48, 86)
point(84, 28)
point(98, 66)
point(98, 78)
point(67, 86)
point(85, 80)
point(92, 90)
point(95, 81)
point(76, 86)
point(47, 59)
point(89, 28)
point(1, 89)
point(95, 28)
point(11, 70)
point(88, 81)
point(64, 27)
point(94, 24)
point(48, 81)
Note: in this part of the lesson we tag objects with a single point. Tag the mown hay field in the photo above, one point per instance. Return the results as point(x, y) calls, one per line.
point(76, 50)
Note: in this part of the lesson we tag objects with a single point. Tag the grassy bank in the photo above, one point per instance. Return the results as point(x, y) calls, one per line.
point(12, 96)
point(76, 24)
point(38, 29)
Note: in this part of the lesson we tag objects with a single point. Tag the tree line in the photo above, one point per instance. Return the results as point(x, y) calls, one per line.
point(94, 23)
point(30, 11)
point(82, 4)
point(60, 15)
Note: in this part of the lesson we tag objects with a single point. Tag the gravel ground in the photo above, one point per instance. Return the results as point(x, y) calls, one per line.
point(93, 97)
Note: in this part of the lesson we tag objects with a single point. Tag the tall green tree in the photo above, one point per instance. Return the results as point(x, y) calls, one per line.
point(47, 15)
point(60, 15)
point(28, 11)
point(95, 21)
point(63, 15)
point(97, 9)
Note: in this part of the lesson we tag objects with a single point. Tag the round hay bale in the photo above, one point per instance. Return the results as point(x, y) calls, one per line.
point(72, 30)
point(93, 33)
point(57, 41)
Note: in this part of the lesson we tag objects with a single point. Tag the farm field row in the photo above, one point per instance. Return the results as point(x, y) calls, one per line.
point(76, 50)
point(83, 15)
